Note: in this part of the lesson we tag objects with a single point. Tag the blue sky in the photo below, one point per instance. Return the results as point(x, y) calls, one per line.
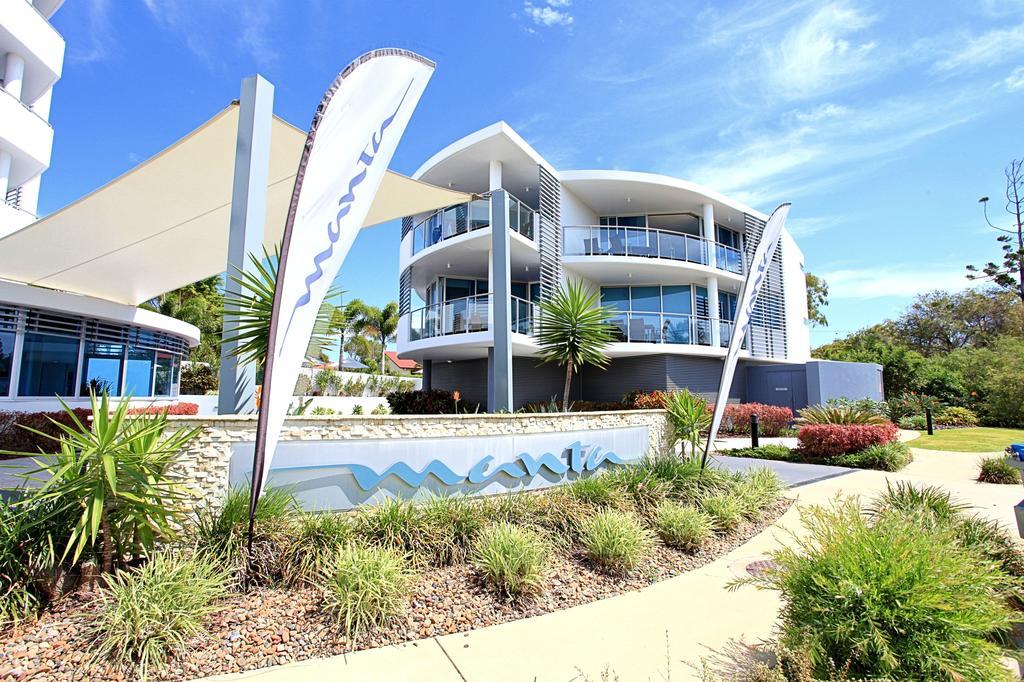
point(881, 122)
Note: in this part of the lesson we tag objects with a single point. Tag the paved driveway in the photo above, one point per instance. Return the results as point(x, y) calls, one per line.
point(793, 474)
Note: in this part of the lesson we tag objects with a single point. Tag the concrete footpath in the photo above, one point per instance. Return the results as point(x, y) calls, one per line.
point(658, 633)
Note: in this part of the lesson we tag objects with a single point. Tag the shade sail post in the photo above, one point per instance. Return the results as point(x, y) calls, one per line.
point(237, 394)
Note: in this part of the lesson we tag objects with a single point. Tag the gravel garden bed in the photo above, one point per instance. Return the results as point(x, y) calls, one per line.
point(272, 626)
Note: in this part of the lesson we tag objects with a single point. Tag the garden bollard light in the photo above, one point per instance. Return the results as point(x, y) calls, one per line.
point(754, 435)
point(928, 418)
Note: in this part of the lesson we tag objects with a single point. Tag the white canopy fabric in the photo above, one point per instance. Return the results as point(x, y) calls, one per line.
point(165, 223)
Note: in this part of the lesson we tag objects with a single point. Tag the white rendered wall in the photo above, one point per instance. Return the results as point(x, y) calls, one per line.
point(798, 333)
point(574, 211)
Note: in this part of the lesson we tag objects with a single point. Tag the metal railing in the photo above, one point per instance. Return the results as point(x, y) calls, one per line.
point(638, 327)
point(27, 107)
point(597, 240)
point(466, 315)
point(466, 217)
point(13, 197)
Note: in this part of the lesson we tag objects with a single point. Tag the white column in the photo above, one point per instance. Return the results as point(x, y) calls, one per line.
point(707, 231)
point(5, 173)
point(713, 312)
point(495, 178)
point(14, 74)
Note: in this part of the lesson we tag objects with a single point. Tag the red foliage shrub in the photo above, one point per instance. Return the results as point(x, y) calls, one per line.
point(639, 400)
point(829, 440)
point(176, 408)
point(16, 438)
point(771, 419)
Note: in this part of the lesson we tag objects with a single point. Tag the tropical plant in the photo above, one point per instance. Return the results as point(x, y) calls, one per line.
point(113, 473)
point(889, 597)
point(684, 527)
point(839, 414)
point(30, 571)
point(957, 416)
point(688, 419)
point(573, 330)
point(367, 587)
point(380, 323)
point(249, 310)
point(512, 559)
point(380, 409)
point(151, 612)
point(616, 540)
point(998, 470)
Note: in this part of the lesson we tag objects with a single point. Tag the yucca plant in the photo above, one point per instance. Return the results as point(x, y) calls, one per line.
point(839, 414)
point(250, 309)
point(688, 418)
point(113, 474)
point(574, 331)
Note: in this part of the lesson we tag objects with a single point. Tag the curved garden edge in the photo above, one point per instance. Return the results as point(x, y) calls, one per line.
point(271, 626)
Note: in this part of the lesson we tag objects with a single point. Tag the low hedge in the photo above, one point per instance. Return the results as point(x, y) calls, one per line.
point(830, 440)
point(15, 435)
point(176, 408)
point(772, 420)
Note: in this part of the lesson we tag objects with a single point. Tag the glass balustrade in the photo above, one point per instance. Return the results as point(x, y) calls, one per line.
point(639, 327)
point(474, 215)
point(466, 315)
point(647, 243)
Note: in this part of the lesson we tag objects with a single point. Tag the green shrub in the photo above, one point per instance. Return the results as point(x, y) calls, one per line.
point(380, 409)
point(956, 416)
point(512, 559)
point(150, 612)
point(916, 422)
point(514, 508)
point(840, 414)
point(998, 470)
point(773, 452)
point(683, 527)
point(640, 485)
point(992, 542)
point(680, 477)
point(222, 532)
point(367, 588)
point(725, 509)
point(449, 527)
point(394, 523)
point(29, 561)
point(688, 418)
point(758, 490)
point(357, 409)
point(903, 498)
point(312, 545)
point(598, 491)
point(615, 540)
point(888, 598)
point(891, 456)
point(561, 515)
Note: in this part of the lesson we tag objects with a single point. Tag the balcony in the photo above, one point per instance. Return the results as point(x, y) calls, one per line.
point(467, 315)
point(27, 136)
point(469, 217)
point(669, 328)
point(594, 240)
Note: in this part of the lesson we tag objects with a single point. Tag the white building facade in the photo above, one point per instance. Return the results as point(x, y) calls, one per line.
point(31, 61)
point(666, 255)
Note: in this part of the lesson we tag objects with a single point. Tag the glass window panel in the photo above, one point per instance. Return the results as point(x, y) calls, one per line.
point(481, 286)
point(458, 288)
point(701, 299)
point(519, 289)
point(448, 222)
point(646, 299)
point(632, 221)
point(6, 361)
point(645, 328)
point(727, 236)
point(535, 291)
point(616, 298)
point(726, 305)
point(479, 213)
point(48, 365)
point(677, 299)
point(101, 368)
point(677, 328)
point(176, 375)
point(138, 380)
point(162, 381)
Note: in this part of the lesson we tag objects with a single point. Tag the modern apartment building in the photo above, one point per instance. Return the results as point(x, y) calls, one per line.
point(667, 255)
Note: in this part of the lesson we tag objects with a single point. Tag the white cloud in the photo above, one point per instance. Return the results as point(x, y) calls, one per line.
point(98, 41)
point(882, 282)
point(203, 24)
point(1015, 81)
point(552, 13)
point(801, 228)
point(988, 49)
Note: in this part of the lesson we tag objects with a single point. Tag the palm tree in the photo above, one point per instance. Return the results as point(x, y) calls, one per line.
point(574, 331)
point(380, 323)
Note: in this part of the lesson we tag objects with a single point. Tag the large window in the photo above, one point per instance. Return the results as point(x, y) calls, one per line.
point(48, 365)
point(6, 362)
point(163, 376)
point(138, 378)
point(101, 368)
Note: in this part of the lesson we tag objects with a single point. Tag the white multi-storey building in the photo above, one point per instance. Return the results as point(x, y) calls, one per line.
point(667, 255)
point(31, 60)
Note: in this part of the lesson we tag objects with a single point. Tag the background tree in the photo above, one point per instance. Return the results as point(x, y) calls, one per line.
point(940, 322)
point(817, 299)
point(200, 305)
point(1009, 274)
point(366, 349)
point(574, 331)
point(379, 323)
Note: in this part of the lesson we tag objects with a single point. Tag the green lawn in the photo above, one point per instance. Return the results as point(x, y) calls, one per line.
point(969, 440)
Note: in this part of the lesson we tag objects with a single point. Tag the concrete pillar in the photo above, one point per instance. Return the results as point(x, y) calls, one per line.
point(714, 312)
point(708, 233)
point(248, 212)
point(495, 176)
point(14, 75)
point(428, 374)
point(5, 173)
point(499, 357)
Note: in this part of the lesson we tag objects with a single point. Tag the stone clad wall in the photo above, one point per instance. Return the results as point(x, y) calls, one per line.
point(204, 464)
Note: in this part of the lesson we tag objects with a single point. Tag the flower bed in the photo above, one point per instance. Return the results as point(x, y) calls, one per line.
point(176, 408)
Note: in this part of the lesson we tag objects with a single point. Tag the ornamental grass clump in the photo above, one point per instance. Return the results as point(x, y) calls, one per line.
point(725, 509)
point(758, 490)
point(641, 486)
point(393, 524)
point(998, 470)
point(888, 597)
point(891, 456)
point(367, 588)
point(598, 491)
point(616, 540)
point(512, 559)
point(450, 525)
point(312, 546)
point(150, 612)
point(683, 527)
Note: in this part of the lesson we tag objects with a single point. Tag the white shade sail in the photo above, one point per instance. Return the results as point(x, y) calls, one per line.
point(165, 223)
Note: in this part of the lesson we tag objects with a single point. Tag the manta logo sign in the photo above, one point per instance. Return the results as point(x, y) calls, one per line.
point(343, 474)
